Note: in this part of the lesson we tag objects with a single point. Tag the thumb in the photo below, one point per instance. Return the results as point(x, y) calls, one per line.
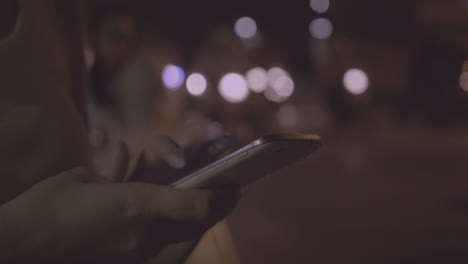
point(118, 166)
point(75, 175)
point(174, 253)
point(167, 203)
point(182, 214)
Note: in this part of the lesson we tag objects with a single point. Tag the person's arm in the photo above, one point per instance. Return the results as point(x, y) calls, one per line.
point(41, 129)
point(43, 133)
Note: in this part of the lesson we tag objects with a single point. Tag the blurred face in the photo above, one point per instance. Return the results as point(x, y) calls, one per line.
point(117, 40)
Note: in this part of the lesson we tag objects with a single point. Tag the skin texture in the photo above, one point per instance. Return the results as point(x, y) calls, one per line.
point(50, 211)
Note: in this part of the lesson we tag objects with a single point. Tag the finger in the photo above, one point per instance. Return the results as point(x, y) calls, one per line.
point(75, 175)
point(136, 169)
point(163, 147)
point(200, 156)
point(220, 146)
point(174, 253)
point(200, 131)
point(160, 215)
point(158, 163)
point(117, 168)
point(180, 206)
point(120, 163)
point(162, 174)
point(193, 205)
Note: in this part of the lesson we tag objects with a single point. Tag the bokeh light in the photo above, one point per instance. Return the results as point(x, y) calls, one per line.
point(196, 84)
point(173, 76)
point(321, 28)
point(356, 81)
point(283, 86)
point(320, 6)
point(245, 27)
point(257, 79)
point(272, 95)
point(280, 85)
point(274, 73)
point(233, 88)
point(464, 81)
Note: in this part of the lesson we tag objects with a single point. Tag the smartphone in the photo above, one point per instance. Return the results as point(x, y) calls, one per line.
point(260, 158)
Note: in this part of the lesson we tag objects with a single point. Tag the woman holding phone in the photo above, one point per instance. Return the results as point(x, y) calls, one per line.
point(51, 208)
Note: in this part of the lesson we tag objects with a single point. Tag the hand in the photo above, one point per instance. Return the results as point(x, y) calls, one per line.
point(161, 162)
point(63, 217)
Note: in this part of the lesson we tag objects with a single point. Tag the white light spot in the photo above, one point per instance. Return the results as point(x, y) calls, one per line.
point(273, 96)
point(196, 84)
point(245, 27)
point(320, 6)
point(283, 86)
point(288, 116)
point(464, 81)
point(233, 88)
point(321, 28)
point(257, 79)
point(173, 76)
point(274, 73)
point(356, 81)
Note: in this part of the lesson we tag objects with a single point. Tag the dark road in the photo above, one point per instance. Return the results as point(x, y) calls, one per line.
point(394, 197)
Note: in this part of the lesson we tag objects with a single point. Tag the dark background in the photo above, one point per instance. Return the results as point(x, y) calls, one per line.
point(390, 184)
